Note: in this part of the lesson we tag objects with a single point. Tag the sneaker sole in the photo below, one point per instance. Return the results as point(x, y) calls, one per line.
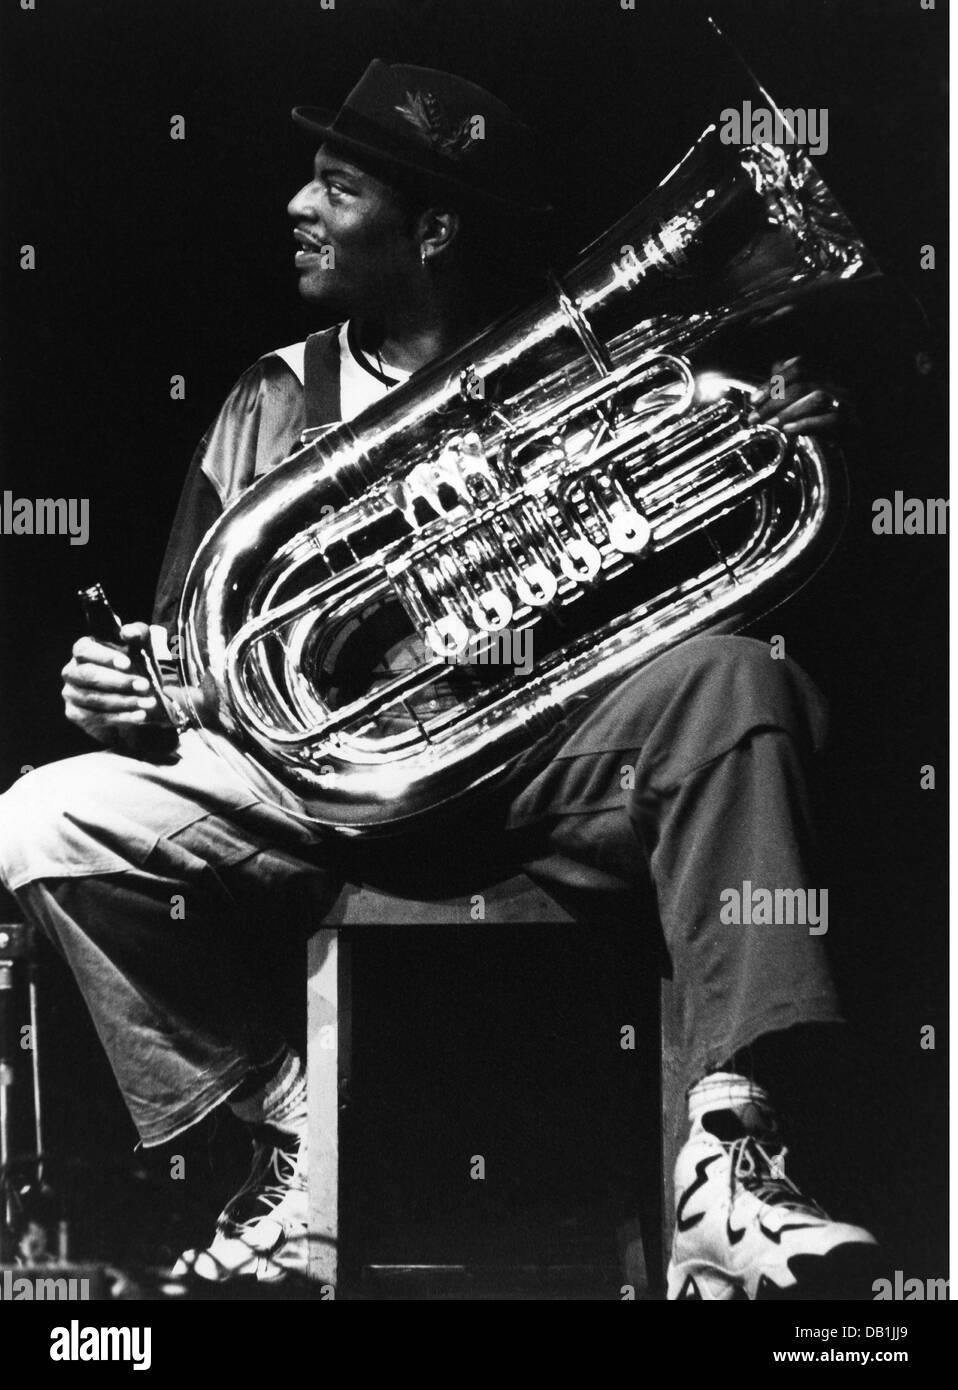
point(843, 1274)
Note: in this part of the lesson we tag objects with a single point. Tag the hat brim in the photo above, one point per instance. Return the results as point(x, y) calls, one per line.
point(319, 122)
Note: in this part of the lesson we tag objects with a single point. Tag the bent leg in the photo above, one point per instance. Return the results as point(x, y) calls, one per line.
point(687, 779)
point(150, 879)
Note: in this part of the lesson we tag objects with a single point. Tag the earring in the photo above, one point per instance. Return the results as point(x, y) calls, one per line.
point(422, 255)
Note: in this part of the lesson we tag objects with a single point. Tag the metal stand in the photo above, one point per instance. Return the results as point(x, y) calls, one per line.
point(17, 956)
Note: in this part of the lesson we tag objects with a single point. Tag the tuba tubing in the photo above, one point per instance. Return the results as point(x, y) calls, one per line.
point(602, 454)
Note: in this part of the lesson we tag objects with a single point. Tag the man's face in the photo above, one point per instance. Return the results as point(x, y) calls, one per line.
point(355, 248)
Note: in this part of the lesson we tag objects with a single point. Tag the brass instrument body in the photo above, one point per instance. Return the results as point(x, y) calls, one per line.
point(602, 454)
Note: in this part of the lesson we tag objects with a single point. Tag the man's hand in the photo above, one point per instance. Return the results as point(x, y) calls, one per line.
point(798, 404)
point(101, 693)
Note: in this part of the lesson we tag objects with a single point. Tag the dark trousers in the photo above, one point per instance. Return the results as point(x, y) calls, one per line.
point(689, 778)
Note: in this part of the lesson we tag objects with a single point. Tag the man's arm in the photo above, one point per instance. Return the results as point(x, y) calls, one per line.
point(256, 428)
point(197, 510)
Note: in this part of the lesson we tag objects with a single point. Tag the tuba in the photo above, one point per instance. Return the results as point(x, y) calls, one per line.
point(566, 483)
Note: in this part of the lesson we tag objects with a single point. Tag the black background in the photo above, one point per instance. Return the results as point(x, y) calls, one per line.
point(157, 257)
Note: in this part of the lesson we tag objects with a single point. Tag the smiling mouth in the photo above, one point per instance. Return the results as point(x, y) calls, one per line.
point(308, 245)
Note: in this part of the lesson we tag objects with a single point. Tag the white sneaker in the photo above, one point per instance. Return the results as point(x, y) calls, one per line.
point(744, 1231)
point(262, 1232)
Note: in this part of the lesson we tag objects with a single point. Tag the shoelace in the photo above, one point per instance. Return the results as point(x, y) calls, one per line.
point(762, 1174)
point(288, 1175)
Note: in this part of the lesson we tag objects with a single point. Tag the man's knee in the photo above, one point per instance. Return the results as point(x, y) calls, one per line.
point(36, 820)
point(759, 680)
point(709, 693)
point(769, 684)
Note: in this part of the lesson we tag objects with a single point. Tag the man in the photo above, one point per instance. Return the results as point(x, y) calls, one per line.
point(409, 232)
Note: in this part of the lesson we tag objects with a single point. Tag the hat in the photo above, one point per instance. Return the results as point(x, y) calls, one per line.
point(433, 123)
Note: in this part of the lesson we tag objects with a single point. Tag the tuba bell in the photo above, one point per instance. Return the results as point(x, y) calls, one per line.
point(565, 482)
